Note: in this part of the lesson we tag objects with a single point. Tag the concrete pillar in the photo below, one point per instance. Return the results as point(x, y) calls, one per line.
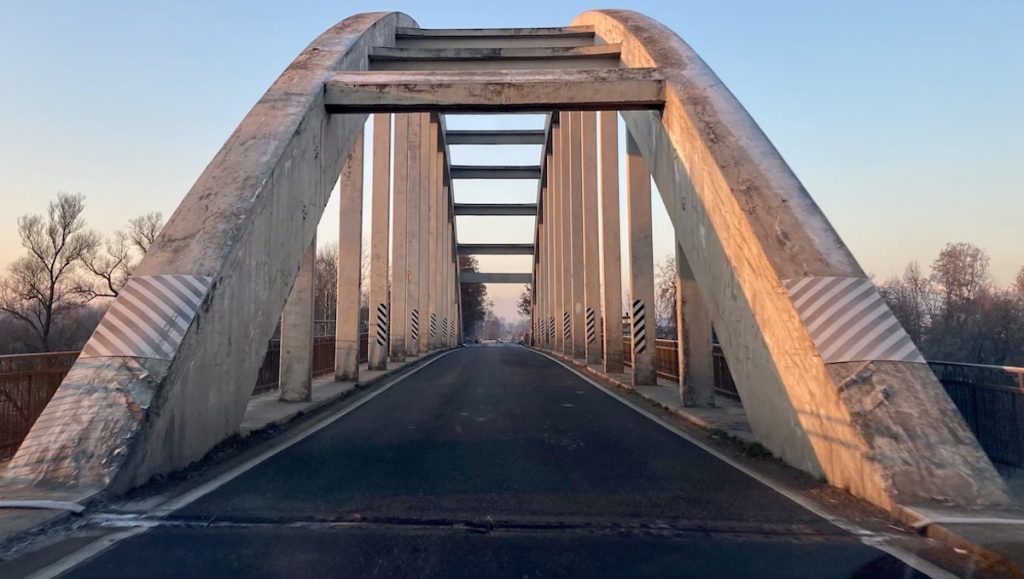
point(611, 272)
point(426, 159)
point(296, 367)
point(641, 265)
point(579, 337)
point(696, 364)
point(433, 228)
point(550, 229)
point(591, 234)
point(565, 225)
point(558, 272)
point(350, 252)
point(413, 236)
point(377, 341)
point(398, 318)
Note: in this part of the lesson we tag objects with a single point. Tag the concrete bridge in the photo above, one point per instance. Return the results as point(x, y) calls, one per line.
point(830, 382)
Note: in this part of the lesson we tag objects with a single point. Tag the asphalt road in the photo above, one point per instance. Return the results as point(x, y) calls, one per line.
point(493, 462)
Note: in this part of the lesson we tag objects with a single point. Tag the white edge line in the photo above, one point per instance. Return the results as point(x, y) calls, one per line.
point(867, 537)
point(100, 545)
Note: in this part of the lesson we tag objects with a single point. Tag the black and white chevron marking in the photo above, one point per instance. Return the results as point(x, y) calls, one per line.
point(382, 324)
point(639, 327)
point(551, 329)
point(149, 318)
point(566, 326)
point(433, 325)
point(444, 328)
point(591, 329)
point(849, 321)
point(415, 327)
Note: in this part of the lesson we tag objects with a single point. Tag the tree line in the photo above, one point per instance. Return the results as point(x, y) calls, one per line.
point(954, 312)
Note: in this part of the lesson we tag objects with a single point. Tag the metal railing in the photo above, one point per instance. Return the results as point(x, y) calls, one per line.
point(667, 359)
point(990, 398)
point(27, 382)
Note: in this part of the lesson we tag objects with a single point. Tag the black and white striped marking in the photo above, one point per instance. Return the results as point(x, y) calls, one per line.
point(444, 328)
point(591, 326)
point(551, 329)
point(639, 327)
point(566, 326)
point(433, 325)
point(382, 324)
point(415, 331)
point(848, 320)
point(149, 318)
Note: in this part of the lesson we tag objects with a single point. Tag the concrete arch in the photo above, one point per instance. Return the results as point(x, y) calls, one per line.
point(168, 374)
point(238, 237)
point(884, 429)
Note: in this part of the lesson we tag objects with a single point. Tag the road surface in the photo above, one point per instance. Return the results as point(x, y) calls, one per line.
point(493, 462)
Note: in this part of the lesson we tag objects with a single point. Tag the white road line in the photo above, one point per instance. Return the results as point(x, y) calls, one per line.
point(100, 545)
point(867, 537)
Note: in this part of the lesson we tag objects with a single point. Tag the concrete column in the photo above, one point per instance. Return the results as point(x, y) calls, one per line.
point(565, 224)
point(557, 271)
point(433, 228)
point(611, 272)
point(296, 368)
point(579, 334)
point(641, 265)
point(591, 234)
point(413, 235)
point(350, 252)
point(398, 318)
point(696, 364)
point(426, 160)
point(377, 341)
point(551, 306)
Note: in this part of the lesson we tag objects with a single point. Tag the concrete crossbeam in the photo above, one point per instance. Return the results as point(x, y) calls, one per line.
point(477, 277)
point(495, 172)
point(503, 209)
point(495, 249)
point(487, 91)
point(494, 37)
point(590, 57)
point(506, 137)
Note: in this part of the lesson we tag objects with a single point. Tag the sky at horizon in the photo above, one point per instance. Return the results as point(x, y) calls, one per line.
point(903, 120)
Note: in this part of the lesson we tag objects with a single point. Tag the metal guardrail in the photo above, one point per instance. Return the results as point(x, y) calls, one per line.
point(667, 359)
point(990, 398)
point(27, 382)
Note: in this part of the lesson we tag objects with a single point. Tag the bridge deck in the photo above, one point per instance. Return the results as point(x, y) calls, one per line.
point(493, 461)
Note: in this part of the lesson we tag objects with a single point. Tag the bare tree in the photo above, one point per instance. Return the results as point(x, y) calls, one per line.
point(112, 265)
point(665, 298)
point(325, 284)
point(41, 285)
point(142, 230)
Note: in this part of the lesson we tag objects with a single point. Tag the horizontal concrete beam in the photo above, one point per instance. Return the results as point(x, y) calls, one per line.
point(506, 91)
point(495, 249)
point(507, 137)
point(559, 57)
point(477, 277)
point(529, 209)
point(495, 171)
point(494, 37)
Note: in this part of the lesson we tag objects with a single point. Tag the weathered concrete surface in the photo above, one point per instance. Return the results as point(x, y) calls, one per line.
point(483, 91)
point(296, 368)
point(746, 223)
point(246, 223)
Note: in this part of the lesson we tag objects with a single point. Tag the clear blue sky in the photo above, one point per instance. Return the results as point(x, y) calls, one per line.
point(904, 119)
